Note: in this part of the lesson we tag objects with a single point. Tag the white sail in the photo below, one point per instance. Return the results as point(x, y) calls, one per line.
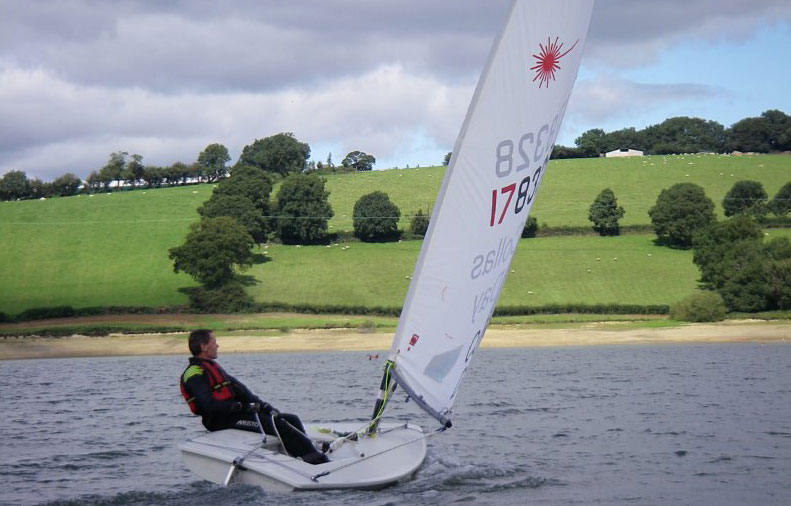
point(490, 185)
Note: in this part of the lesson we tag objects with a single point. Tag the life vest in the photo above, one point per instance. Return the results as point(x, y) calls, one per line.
point(219, 385)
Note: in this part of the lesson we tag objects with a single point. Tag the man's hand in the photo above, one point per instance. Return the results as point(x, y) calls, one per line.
point(252, 407)
point(268, 409)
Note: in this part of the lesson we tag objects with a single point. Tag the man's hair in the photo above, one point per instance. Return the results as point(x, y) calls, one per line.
point(197, 338)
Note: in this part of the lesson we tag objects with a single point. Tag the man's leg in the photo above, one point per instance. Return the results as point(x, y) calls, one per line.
point(291, 431)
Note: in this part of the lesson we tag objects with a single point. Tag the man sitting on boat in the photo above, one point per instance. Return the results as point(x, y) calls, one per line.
point(223, 402)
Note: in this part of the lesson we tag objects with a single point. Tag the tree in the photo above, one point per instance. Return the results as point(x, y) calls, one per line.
point(745, 197)
point(680, 212)
point(279, 154)
point(605, 213)
point(626, 138)
point(14, 185)
point(750, 134)
point(303, 209)
point(153, 176)
point(781, 203)
point(446, 160)
point(778, 273)
point(359, 161)
point(778, 123)
point(66, 185)
point(531, 227)
point(213, 161)
point(712, 243)
point(251, 183)
point(375, 217)
point(592, 142)
point(213, 250)
point(114, 169)
point(95, 181)
point(133, 171)
point(239, 208)
point(683, 134)
point(731, 258)
point(39, 189)
point(559, 152)
point(419, 224)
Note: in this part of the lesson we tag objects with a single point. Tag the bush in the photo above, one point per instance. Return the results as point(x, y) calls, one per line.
point(699, 307)
point(679, 213)
point(781, 203)
point(714, 245)
point(303, 209)
point(43, 313)
point(213, 250)
point(229, 298)
point(239, 208)
point(746, 197)
point(419, 224)
point(531, 227)
point(604, 213)
point(375, 218)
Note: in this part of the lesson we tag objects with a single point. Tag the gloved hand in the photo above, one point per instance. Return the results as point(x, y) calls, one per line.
point(252, 407)
point(268, 409)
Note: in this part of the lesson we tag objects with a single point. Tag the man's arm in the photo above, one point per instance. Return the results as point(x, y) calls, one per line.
point(244, 394)
point(198, 386)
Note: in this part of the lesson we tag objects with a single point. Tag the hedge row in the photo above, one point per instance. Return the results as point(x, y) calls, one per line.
point(582, 309)
point(43, 313)
point(87, 331)
point(270, 307)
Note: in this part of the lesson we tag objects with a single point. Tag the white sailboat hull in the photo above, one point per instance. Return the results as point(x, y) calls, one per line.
point(394, 454)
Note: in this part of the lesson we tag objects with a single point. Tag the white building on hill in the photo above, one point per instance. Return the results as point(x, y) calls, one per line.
point(623, 152)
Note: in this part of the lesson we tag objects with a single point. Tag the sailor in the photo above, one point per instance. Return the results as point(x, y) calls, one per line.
point(223, 402)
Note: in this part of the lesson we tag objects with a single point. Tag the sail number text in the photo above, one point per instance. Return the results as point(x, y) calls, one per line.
point(502, 197)
point(512, 158)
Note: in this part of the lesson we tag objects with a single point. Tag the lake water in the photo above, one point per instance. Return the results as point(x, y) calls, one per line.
point(648, 425)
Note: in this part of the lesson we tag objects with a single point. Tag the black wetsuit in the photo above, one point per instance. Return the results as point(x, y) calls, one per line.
point(233, 413)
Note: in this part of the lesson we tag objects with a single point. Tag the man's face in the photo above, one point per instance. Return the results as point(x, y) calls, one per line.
point(209, 350)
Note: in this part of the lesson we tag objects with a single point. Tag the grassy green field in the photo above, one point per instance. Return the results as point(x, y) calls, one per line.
point(571, 185)
point(544, 271)
point(111, 249)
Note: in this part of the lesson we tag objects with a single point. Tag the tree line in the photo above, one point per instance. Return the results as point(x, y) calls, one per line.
point(769, 132)
point(278, 155)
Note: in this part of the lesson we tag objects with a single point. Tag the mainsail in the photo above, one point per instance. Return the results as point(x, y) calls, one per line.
point(498, 163)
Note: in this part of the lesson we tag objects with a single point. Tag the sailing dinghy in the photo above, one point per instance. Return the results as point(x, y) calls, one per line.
point(490, 185)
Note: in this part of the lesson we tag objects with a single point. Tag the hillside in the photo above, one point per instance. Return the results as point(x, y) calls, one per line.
point(111, 249)
point(570, 186)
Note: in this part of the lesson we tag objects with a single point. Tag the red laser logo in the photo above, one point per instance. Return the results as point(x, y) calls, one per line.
point(548, 61)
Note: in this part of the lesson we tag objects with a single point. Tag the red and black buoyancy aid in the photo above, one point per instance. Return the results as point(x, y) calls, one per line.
point(219, 385)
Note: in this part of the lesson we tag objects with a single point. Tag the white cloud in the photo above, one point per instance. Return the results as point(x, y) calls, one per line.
point(80, 79)
point(608, 97)
point(379, 112)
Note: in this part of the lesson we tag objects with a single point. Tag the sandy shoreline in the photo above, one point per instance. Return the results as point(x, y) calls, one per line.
point(353, 340)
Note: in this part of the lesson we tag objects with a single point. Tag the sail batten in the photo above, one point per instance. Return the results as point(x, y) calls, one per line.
point(498, 163)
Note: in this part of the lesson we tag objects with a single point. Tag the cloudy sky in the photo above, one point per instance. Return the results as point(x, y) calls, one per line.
point(80, 79)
